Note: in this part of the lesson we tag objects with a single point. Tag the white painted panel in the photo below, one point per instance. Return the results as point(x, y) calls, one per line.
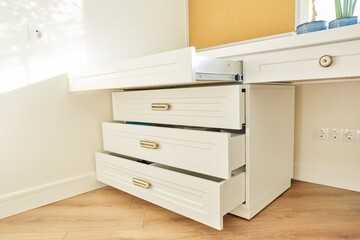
point(211, 153)
point(216, 107)
point(198, 198)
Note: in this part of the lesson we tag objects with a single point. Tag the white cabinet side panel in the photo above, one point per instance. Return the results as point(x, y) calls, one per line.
point(269, 143)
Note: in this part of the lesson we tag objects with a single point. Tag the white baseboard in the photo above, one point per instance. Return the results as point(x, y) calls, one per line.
point(30, 198)
point(345, 180)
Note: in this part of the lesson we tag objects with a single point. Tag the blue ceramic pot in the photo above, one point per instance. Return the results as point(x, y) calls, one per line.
point(311, 27)
point(341, 22)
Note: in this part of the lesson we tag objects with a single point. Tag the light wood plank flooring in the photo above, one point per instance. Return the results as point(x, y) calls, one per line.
point(305, 211)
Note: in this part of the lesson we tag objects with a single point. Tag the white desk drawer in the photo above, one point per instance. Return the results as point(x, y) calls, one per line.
point(175, 67)
point(210, 153)
point(304, 63)
point(203, 199)
point(215, 107)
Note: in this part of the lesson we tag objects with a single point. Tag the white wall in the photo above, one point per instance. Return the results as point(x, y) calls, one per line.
point(80, 34)
point(330, 105)
point(47, 143)
point(147, 26)
point(49, 135)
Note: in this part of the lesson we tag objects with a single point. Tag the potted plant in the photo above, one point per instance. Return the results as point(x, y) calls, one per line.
point(312, 26)
point(344, 13)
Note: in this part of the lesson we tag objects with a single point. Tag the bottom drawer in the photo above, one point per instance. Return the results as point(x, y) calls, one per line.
point(202, 198)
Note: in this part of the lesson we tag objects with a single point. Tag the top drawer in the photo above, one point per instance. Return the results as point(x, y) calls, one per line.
point(337, 60)
point(214, 107)
point(181, 66)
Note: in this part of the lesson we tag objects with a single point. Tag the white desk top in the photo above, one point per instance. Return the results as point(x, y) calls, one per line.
point(284, 42)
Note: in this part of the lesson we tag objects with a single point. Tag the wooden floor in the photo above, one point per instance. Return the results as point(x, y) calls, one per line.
point(305, 211)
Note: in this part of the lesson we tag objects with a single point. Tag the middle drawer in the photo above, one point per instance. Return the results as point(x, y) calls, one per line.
point(211, 153)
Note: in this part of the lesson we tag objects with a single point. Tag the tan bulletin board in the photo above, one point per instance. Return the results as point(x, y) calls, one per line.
point(217, 22)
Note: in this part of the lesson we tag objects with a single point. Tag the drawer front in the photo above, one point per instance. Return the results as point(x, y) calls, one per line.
point(173, 67)
point(304, 63)
point(210, 153)
point(204, 200)
point(216, 106)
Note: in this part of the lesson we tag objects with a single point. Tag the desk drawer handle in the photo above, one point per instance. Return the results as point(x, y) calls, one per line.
point(160, 106)
point(148, 144)
point(141, 183)
point(325, 61)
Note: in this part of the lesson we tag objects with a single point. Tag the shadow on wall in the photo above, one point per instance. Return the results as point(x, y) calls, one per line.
point(25, 59)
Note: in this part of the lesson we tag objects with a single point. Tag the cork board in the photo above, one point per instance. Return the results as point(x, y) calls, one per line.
point(217, 22)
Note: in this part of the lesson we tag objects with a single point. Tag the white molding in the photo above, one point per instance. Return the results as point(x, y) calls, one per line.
point(302, 12)
point(345, 180)
point(30, 198)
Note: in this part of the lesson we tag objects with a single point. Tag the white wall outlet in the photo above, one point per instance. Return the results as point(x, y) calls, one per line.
point(321, 133)
point(349, 135)
point(336, 134)
point(36, 33)
point(358, 135)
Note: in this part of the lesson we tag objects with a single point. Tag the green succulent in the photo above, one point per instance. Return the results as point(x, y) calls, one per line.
point(345, 8)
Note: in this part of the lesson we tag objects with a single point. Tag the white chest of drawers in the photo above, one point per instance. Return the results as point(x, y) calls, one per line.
point(228, 163)
point(201, 150)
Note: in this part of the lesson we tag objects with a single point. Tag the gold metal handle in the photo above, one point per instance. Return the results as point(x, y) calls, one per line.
point(160, 106)
point(141, 183)
point(148, 144)
point(325, 61)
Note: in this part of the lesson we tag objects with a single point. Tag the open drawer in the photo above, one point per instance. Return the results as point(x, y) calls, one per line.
point(211, 106)
point(205, 200)
point(174, 67)
point(211, 153)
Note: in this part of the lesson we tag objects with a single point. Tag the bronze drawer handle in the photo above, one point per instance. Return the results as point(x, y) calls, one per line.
point(160, 106)
point(325, 61)
point(148, 144)
point(141, 183)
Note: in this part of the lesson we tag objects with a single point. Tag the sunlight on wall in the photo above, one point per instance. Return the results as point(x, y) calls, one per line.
point(12, 78)
point(82, 34)
point(62, 48)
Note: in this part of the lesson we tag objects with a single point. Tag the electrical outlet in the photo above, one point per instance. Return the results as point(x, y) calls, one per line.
point(349, 135)
point(321, 133)
point(36, 33)
point(358, 135)
point(336, 134)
